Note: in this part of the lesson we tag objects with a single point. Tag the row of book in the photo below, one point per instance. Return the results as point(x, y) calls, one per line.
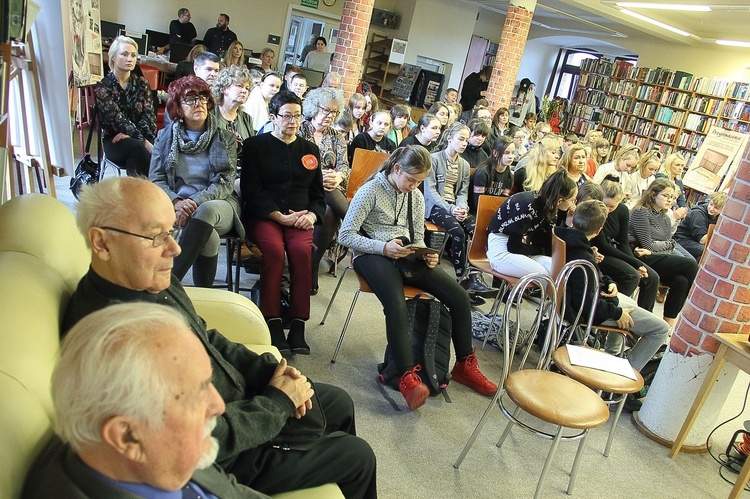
point(699, 122)
point(691, 140)
point(645, 109)
point(707, 105)
point(711, 86)
point(670, 116)
point(614, 119)
point(737, 110)
point(649, 93)
point(664, 133)
point(675, 98)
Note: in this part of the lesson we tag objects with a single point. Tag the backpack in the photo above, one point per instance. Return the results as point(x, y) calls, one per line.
point(430, 330)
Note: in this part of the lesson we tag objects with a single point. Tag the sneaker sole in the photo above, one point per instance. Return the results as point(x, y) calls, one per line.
point(465, 382)
point(418, 398)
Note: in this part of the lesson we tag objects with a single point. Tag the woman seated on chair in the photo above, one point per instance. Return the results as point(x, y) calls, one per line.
point(374, 138)
point(519, 240)
point(493, 177)
point(424, 133)
point(644, 173)
point(230, 90)
point(195, 162)
point(574, 161)
point(387, 214)
point(540, 162)
point(126, 110)
point(320, 108)
point(692, 233)
point(282, 196)
point(650, 234)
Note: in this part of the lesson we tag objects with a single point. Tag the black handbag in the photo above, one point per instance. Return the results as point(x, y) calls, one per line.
point(87, 171)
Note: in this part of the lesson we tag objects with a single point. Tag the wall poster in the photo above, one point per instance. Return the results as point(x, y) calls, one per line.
point(86, 42)
point(716, 161)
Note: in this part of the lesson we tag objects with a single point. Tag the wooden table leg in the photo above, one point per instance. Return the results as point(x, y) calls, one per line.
point(739, 485)
point(700, 399)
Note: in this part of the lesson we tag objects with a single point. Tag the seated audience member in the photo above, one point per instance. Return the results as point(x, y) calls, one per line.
point(372, 105)
point(230, 92)
point(612, 307)
point(400, 118)
point(424, 133)
point(619, 263)
point(206, 66)
point(332, 80)
point(692, 233)
point(318, 59)
point(218, 38)
point(493, 177)
point(379, 210)
point(344, 124)
point(299, 85)
point(441, 112)
point(620, 167)
point(598, 155)
point(289, 73)
point(519, 240)
point(524, 103)
point(126, 110)
point(519, 141)
point(590, 140)
point(568, 140)
point(672, 168)
point(644, 174)
point(256, 77)
point(374, 139)
point(650, 236)
point(134, 407)
point(181, 30)
point(474, 154)
point(320, 109)
point(455, 110)
point(260, 393)
point(185, 68)
point(257, 103)
point(283, 198)
point(500, 125)
point(235, 55)
point(529, 125)
point(451, 96)
point(446, 196)
point(195, 163)
point(541, 162)
point(357, 109)
point(266, 59)
point(574, 162)
point(469, 112)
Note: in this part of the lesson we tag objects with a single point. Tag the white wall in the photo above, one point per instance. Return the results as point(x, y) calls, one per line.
point(537, 64)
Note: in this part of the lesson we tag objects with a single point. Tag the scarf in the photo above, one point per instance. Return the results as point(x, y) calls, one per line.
point(182, 144)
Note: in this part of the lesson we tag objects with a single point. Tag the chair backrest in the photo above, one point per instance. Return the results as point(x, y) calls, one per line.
point(152, 75)
point(486, 209)
point(364, 164)
point(709, 235)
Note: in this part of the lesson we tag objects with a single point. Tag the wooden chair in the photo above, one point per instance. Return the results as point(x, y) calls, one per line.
point(550, 397)
point(595, 379)
point(153, 76)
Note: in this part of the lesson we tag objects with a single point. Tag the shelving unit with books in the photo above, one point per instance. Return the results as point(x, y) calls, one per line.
point(655, 108)
point(379, 71)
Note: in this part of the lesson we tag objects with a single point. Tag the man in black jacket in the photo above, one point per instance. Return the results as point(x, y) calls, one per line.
point(128, 225)
point(612, 308)
point(474, 87)
point(181, 30)
point(218, 38)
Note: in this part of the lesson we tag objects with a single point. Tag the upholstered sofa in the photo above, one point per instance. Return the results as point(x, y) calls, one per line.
point(42, 258)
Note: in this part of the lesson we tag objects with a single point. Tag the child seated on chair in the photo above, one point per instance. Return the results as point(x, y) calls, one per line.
point(612, 308)
point(692, 233)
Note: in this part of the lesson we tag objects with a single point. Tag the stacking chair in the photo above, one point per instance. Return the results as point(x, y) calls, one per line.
point(601, 381)
point(550, 397)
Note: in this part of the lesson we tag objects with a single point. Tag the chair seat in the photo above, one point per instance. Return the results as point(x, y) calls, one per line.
point(409, 291)
point(484, 266)
point(594, 378)
point(556, 399)
point(611, 329)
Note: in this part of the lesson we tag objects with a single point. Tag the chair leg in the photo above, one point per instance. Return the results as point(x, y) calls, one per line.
point(616, 419)
point(493, 312)
point(547, 463)
point(576, 462)
point(509, 427)
point(476, 432)
point(346, 325)
point(333, 296)
point(230, 252)
point(237, 264)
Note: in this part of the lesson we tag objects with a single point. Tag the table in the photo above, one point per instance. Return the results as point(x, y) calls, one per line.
point(735, 349)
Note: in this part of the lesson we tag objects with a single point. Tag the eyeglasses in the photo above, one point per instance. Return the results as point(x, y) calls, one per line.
point(667, 197)
point(192, 100)
point(288, 118)
point(328, 112)
point(157, 240)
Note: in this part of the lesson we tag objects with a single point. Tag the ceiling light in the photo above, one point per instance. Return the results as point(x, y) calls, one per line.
point(655, 22)
point(665, 6)
point(733, 43)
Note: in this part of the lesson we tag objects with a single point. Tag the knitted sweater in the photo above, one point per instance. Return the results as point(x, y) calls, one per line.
point(435, 183)
point(651, 230)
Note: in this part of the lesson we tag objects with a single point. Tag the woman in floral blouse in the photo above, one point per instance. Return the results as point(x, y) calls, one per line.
point(126, 111)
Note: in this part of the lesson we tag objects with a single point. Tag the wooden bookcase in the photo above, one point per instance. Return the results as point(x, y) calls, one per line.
point(655, 108)
point(378, 70)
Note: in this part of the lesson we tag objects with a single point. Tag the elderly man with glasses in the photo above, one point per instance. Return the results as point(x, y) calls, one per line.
point(134, 264)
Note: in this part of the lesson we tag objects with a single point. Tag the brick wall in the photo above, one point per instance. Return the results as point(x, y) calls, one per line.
point(719, 301)
point(350, 48)
point(509, 55)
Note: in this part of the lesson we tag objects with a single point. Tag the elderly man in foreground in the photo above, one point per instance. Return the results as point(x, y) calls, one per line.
point(135, 407)
point(128, 224)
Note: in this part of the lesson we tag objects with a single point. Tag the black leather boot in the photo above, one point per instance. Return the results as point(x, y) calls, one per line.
point(193, 238)
point(277, 336)
point(297, 338)
point(204, 271)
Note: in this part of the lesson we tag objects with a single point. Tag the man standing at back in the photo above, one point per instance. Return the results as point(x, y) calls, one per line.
point(128, 225)
point(181, 30)
point(218, 39)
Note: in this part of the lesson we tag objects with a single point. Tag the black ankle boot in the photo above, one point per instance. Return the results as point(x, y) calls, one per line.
point(204, 271)
point(297, 338)
point(193, 238)
point(277, 336)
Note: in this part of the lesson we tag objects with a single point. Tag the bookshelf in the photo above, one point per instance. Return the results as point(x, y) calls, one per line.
point(670, 111)
point(379, 71)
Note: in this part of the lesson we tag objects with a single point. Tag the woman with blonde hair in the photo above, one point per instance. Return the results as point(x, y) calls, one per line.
point(235, 54)
point(574, 162)
point(185, 68)
point(542, 162)
point(598, 153)
point(672, 168)
point(644, 174)
point(620, 167)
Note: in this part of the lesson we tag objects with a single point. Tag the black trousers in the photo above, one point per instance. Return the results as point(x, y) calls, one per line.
point(677, 272)
point(346, 460)
point(129, 153)
point(388, 285)
point(459, 233)
point(627, 279)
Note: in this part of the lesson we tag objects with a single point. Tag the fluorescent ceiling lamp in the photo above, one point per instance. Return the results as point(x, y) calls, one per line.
point(665, 6)
point(655, 22)
point(733, 43)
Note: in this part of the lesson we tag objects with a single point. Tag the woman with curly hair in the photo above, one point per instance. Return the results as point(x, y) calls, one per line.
point(230, 91)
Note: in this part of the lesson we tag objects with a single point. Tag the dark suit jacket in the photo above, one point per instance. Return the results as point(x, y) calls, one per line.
point(58, 472)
